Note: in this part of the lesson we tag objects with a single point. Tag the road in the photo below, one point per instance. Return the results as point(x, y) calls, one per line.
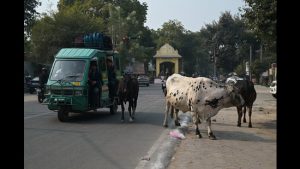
point(93, 140)
point(100, 140)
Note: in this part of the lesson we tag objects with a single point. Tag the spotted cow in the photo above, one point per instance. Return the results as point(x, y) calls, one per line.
point(202, 96)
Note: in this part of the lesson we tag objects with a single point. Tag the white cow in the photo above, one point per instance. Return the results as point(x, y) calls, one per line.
point(202, 96)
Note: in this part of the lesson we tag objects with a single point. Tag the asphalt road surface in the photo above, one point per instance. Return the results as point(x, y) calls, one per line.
point(100, 141)
point(93, 140)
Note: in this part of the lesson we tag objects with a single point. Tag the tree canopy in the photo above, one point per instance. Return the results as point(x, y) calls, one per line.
point(29, 14)
point(229, 38)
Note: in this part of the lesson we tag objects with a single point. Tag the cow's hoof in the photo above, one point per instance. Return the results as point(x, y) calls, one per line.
point(130, 120)
point(199, 135)
point(239, 124)
point(212, 136)
point(165, 125)
point(250, 125)
point(177, 123)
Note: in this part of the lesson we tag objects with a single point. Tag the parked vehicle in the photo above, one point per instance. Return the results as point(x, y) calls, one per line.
point(273, 88)
point(34, 83)
point(143, 80)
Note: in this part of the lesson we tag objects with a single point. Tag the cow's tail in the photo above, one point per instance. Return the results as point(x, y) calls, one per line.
point(165, 92)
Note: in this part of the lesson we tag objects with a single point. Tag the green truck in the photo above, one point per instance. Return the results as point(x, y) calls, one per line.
point(67, 87)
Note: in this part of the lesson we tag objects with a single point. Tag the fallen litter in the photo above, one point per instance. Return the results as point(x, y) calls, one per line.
point(176, 134)
point(146, 158)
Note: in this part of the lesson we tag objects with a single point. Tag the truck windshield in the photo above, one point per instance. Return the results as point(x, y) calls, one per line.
point(68, 70)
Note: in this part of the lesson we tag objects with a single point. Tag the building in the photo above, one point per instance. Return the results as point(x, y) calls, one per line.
point(168, 61)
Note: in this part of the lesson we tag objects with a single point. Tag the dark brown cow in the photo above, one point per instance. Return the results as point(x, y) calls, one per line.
point(248, 93)
point(128, 90)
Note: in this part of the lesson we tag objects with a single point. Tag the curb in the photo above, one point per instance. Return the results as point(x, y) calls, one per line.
point(162, 151)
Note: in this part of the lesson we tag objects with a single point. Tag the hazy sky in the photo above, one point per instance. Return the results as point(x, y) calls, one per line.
point(193, 14)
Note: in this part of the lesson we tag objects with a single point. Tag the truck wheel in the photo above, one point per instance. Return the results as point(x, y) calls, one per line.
point(40, 99)
point(114, 107)
point(63, 115)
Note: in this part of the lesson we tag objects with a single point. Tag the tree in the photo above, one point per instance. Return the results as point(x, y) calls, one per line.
point(261, 17)
point(172, 33)
point(52, 33)
point(29, 15)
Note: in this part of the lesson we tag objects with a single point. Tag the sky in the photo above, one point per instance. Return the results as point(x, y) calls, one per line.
point(193, 14)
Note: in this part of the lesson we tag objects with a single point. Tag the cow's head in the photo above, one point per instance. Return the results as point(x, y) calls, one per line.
point(235, 98)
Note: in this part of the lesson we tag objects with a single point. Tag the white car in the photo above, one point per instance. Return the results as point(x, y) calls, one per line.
point(143, 80)
point(273, 88)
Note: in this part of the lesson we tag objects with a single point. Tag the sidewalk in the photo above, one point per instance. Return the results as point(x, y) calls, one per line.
point(235, 147)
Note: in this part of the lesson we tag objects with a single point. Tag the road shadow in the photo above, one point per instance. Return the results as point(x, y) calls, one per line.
point(235, 134)
point(241, 136)
point(104, 117)
point(268, 124)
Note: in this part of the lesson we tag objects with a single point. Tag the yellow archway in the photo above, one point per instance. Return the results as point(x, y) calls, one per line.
point(167, 54)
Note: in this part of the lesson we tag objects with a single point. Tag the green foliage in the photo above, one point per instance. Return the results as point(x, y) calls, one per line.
point(240, 70)
point(261, 17)
point(258, 67)
point(29, 15)
point(230, 37)
point(172, 33)
point(51, 33)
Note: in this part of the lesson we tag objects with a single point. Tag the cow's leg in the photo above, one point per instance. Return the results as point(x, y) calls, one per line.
point(176, 117)
point(168, 105)
point(196, 121)
point(239, 112)
point(209, 131)
point(123, 109)
point(244, 112)
point(250, 113)
point(129, 110)
point(134, 107)
point(172, 112)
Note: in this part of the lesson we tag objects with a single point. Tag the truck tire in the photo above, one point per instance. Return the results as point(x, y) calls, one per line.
point(63, 115)
point(40, 99)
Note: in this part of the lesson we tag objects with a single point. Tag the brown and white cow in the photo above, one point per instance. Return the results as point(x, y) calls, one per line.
point(202, 96)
